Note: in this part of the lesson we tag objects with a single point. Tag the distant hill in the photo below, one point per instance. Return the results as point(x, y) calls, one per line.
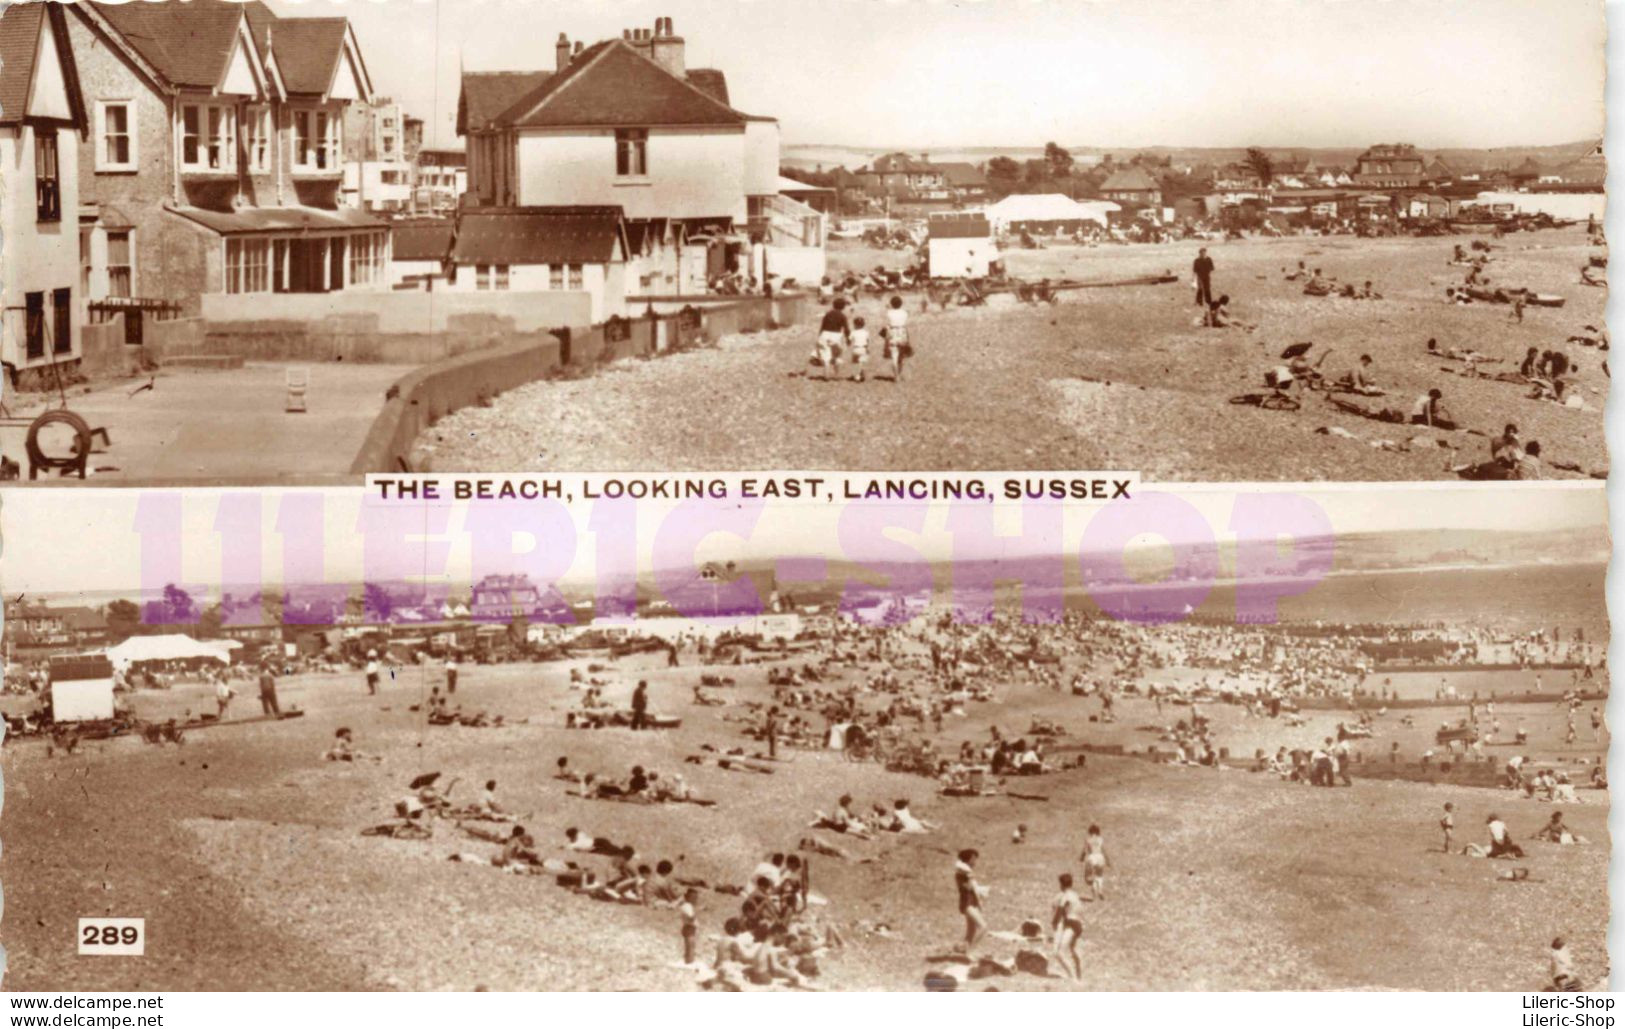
point(812, 155)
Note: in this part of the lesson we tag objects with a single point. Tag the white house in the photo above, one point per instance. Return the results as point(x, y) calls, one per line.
point(536, 249)
point(626, 123)
point(42, 115)
point(960, 247)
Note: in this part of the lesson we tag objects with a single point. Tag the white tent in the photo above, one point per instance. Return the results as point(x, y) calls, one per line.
point(1020, 208)
point(174, 647)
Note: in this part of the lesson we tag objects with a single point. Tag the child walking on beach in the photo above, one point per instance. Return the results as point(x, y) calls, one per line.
point(898, 347)
point(1094, 863)
point(832, 334)
point(858, 343)
point(1448, 824)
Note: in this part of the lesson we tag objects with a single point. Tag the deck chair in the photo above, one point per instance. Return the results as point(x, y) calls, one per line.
point(298, 380)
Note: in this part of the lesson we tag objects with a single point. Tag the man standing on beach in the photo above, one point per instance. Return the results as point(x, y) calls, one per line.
point(640, 705)
point(1203, 267)
point(268, 692)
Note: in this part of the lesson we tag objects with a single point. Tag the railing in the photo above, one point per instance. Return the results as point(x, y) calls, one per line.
point(784, 221)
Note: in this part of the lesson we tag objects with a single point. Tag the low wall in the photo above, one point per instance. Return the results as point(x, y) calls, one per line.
point(428, 394)
point(102, 350)
point(408, 327)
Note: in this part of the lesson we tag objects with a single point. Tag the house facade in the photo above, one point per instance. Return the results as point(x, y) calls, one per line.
point(543, 249)
point(1132, 185)
point(42, 119)
point(625, 123)
point(1390, 166)
point(441, 179)
point(214, 157)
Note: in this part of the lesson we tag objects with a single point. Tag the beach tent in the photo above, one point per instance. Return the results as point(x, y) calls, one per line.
point(175, 647)
point(1047, 212)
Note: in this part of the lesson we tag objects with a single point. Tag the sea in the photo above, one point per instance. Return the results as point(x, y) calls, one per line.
point(1512, 599)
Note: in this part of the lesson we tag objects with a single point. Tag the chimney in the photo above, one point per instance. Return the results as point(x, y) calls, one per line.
point(561, 53)
point(667, 48)
point(576, 52)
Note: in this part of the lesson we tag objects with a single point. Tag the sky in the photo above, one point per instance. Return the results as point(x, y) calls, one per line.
point(107, 554)
point(920, 74)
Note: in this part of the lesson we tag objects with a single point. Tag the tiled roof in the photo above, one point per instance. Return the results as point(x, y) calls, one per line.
point(539, 235)
point(426, 239)
point(188, 43)
point(20, 28)
point(279, 219)
point(486, 94)
point(19, 38)
point(711, 82)
point(308, 51)
point(610, 83)
point(962, 173)
point(1131, 180)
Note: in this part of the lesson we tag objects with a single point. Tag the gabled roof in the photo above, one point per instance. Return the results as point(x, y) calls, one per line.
point(539, 235)
point(21, 29)
point(309, 51)
point(610, 83)
point(1132, 179)
point(188, 43)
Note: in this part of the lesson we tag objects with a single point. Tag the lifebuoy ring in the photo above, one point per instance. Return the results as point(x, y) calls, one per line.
point(39, 460)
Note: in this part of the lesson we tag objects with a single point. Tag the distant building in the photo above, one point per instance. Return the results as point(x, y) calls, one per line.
point(441, 179)
point(1389, 166)
point(1132, 185)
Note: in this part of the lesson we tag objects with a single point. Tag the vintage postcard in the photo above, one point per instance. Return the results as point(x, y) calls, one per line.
point(804, 496)
point(271, 243)
point(1149, 743)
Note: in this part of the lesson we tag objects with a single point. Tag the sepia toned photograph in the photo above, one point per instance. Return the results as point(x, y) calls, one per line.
point(1204, 740)
point(279, 243)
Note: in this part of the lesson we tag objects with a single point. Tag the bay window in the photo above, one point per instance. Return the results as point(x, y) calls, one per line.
point(258, 137)
point(208, 137)
point(316, 141)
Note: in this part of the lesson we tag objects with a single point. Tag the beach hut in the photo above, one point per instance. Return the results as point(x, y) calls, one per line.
point(960, 247)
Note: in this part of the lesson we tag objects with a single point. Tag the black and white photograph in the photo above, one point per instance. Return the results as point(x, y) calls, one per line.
point(1131, 749)
point(292, 243)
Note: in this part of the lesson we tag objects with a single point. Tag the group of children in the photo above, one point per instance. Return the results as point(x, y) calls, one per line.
point(840, 336)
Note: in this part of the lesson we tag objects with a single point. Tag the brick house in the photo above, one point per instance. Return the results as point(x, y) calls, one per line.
point(1132, 185)
point(1390, 166)
point(213, 161)
point(42, 116)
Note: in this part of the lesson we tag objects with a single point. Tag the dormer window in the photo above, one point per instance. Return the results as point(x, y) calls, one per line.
point(257, 136)
point(208, 138)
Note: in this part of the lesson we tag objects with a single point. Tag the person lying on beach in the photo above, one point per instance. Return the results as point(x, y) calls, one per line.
point(842, 820)
point(905, 821)
point(577, 840)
